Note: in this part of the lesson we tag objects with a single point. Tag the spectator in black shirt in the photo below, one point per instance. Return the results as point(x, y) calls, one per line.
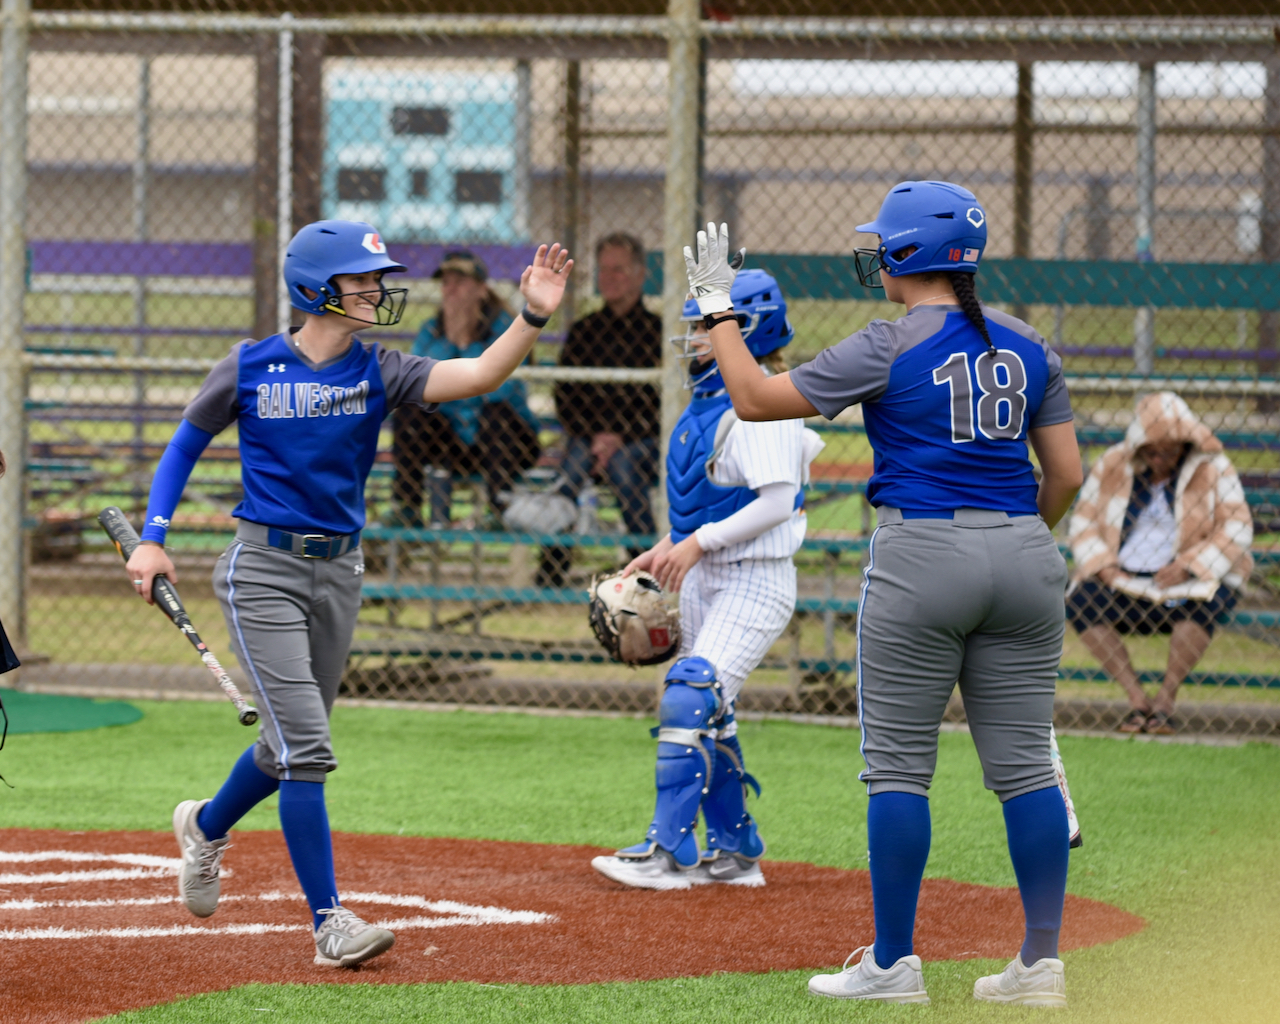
point(611, 430)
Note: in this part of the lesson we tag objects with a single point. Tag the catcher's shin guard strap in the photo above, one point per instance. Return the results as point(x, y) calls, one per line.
point(683, 737)
point(683, 770)
point(730, 829)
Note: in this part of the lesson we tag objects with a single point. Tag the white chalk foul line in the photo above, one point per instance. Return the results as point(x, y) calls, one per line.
point(454, 914)
point(145, 860)
point(66, 877)
point(493, 915)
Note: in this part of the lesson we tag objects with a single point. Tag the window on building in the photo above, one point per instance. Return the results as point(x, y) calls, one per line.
point(478, 187)
point(361, 184)
point(418, 182)
point(420, 121)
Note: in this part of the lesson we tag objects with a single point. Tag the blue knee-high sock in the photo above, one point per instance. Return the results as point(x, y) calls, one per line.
point(246, 787)
point(306, 831)
point(1036, 824)
point(898, 836)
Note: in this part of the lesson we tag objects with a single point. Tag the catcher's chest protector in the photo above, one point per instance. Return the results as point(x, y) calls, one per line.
point(692, 498)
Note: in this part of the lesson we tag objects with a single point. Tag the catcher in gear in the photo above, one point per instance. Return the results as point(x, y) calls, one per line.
point(630, 618)
point(735, 494)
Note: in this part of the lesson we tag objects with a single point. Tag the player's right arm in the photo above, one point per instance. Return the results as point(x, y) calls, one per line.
point(210, 412)
point(150, 559)
point(644, 561)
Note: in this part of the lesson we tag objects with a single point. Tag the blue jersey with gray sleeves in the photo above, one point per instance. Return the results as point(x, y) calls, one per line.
point(308, 432)
point(691, 496)
point(947, 420)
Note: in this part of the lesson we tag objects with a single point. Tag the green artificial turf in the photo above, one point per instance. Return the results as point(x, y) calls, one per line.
point(1186, 836)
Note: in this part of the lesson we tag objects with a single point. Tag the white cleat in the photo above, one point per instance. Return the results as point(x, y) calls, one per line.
point(198, 882)
point(730, 869)
point(1042, 984)
point(344, 940)
point(901, 983)
point(657, 870)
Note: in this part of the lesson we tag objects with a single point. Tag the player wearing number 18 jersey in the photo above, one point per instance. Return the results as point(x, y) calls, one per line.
point(964, 581)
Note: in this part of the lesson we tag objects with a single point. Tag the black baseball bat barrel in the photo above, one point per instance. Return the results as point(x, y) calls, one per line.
point(165, 594)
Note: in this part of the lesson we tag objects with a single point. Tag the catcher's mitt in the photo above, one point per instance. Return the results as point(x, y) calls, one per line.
point(630, 618)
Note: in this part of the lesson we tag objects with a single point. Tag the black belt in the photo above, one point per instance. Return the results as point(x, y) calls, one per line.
point(312, 545)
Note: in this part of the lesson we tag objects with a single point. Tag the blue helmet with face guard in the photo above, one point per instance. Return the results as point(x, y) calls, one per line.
point(321, 251)
point(762, 315)
point(924, 227)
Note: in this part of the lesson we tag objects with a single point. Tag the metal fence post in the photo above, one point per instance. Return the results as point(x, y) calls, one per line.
point(1023, 169)
point(678, 211)
point(1144, 323)
point(284, 174)
point(13, 266)
point(1269, 319)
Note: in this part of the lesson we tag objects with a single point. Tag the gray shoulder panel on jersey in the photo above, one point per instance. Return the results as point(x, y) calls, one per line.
point(857, 369)
point(404, 376)
point(214, 408)
point(1055, 407)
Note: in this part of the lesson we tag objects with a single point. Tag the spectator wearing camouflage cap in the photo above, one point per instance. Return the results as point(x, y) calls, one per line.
point(493, 435)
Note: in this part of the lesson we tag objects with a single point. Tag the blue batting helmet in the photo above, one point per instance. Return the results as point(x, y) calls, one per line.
point(322, 250)
point(762, 314)
point(924, 226)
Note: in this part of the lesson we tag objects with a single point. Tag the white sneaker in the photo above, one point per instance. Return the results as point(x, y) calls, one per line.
point(901, 983)
point(730, 869)
point(198, 882)
point(1042, 984)
point(655, 870)
point(344, 940)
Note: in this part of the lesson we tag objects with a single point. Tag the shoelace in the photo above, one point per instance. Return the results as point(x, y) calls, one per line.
point(209, 857)
point(846, 969)
point(342, 919)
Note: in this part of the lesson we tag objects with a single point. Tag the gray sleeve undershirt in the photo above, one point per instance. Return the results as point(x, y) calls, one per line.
point(1056, 406)
point(850, 371)
point(404, 376)
point(215, 407)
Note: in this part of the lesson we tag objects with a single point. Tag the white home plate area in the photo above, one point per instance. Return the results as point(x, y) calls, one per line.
point(135, 913)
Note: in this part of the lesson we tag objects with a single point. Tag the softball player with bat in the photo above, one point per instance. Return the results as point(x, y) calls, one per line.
point(963, 581)
point(735, 492)
point(309, 406)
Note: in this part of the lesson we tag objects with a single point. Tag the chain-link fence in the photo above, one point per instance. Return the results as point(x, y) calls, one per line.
point(1131, 176)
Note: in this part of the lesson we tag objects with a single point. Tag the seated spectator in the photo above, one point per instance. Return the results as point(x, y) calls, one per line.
point(611, 430)
point(494, 435)
point(1161, 536)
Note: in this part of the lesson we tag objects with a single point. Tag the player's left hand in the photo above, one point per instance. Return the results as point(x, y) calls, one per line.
point(711, 275)
point(542, 283)
point(1171, 575)
point(670, 567)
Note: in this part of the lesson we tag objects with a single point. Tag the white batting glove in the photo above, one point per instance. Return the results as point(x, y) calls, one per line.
point(711, 275)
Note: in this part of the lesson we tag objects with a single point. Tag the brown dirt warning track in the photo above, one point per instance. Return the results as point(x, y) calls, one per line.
point(90, 923)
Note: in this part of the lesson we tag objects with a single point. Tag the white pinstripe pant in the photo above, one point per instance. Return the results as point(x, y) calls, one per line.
point(731, 613)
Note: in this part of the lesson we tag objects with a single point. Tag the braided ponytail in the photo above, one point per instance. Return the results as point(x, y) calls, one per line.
point(962, 285)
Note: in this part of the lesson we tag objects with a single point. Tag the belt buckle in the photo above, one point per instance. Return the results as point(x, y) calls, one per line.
point(309, 537)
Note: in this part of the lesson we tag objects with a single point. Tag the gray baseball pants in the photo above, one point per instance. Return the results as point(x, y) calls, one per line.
point(291, 621)
point(978, 600)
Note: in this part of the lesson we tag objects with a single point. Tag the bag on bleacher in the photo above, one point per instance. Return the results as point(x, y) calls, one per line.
point(540, 509)
point(632, 620)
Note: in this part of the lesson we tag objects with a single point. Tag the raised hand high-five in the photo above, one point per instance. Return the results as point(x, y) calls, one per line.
point(542, 283)
point(711, 274)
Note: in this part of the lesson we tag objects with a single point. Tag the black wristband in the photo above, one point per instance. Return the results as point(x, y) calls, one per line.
point(532, 318)
point(711, 319)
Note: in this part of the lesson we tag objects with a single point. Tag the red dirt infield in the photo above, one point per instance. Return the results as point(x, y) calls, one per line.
point(90, 923)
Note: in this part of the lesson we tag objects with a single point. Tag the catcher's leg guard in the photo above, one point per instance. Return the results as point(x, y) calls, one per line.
point(686, 756)
point(730, 829)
